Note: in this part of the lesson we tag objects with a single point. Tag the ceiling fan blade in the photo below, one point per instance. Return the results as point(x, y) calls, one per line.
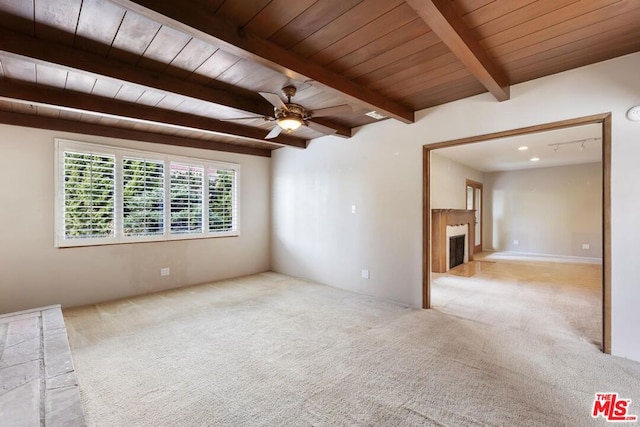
point(332, 111)
point(320, 128)
point(274, 132)
point(232, 119)
point(274, 99)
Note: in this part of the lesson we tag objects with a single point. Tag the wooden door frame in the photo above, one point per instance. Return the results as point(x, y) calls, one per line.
point(605, 120)
point(476, 186)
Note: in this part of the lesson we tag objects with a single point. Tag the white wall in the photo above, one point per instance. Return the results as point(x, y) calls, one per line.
point(549, 211)
point(34, 273)
point(449, 182)
point(316, 236)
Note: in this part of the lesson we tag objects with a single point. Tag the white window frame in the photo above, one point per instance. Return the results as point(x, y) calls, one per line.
point(62, 145)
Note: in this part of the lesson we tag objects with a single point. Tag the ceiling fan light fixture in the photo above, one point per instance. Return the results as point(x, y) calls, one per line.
point(289, 123)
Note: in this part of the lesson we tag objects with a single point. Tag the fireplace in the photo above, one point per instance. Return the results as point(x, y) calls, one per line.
point(446, 223)
point(456, 250)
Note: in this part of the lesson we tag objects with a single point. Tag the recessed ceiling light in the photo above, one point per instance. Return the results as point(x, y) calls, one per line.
point(534, 159)
point(523, 148)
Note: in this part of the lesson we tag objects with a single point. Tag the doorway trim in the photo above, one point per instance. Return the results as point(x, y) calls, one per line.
point(605, 120)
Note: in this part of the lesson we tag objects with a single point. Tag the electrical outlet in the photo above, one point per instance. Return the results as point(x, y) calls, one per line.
point(164, 271)
point(365, 274)
point(516, 242)
point(353, 209)
point(586, 246)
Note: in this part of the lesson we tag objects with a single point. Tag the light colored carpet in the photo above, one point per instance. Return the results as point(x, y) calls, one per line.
point(276, 351)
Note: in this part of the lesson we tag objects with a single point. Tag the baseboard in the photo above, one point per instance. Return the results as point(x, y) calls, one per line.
point(541, 257)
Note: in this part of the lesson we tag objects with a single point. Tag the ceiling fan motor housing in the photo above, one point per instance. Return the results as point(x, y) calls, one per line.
point(295, 111)
point(289, 92)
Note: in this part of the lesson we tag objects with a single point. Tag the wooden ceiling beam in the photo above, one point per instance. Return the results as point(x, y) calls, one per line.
point(48, 53)
point(446, 22)
point(28, 48)
point(105, 107)
point(39, 122)
point(193, 19)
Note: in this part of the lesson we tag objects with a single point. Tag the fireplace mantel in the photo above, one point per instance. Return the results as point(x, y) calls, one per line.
point(440, 218)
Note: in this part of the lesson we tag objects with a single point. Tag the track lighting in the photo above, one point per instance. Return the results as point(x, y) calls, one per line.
point(582, 142)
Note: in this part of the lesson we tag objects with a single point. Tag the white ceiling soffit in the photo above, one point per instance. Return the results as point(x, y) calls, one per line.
point(577, 145)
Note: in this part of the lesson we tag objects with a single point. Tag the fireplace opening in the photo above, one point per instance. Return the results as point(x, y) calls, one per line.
point(456, 250)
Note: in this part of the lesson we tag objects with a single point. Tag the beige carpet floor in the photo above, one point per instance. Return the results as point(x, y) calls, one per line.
point(276, 351)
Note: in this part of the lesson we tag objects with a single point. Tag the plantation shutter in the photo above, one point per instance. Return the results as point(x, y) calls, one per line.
point(186, 198)
point(89, 183)
point(222, 200)
point(108, 195)
point(143, 197)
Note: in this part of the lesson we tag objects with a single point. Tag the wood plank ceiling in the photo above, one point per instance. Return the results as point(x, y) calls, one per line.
point(172, 72)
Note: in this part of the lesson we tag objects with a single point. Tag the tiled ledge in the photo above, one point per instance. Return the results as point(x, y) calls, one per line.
point(38, 384)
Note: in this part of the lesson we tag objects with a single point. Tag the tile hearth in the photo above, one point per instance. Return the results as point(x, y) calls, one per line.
point(38, 384)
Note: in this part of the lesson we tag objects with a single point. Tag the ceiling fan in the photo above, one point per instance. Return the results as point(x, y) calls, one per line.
point(290, 116)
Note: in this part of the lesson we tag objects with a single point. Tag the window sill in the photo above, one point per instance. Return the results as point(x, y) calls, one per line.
point(105, 242)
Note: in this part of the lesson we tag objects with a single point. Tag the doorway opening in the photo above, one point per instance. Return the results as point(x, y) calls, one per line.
point(604, 120)
point(474, 202)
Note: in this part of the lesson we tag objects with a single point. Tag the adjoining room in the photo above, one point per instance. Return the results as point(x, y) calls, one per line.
point(534, 205)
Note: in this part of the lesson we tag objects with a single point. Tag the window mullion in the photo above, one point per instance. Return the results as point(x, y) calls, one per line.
point(167, 198)
point(205, 200)
point(118, 199)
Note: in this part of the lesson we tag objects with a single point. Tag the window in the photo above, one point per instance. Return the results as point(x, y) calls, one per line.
point(186, 198)
point(142, 197)
point(112, 195)
point(222, 196)
point(88, 195)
